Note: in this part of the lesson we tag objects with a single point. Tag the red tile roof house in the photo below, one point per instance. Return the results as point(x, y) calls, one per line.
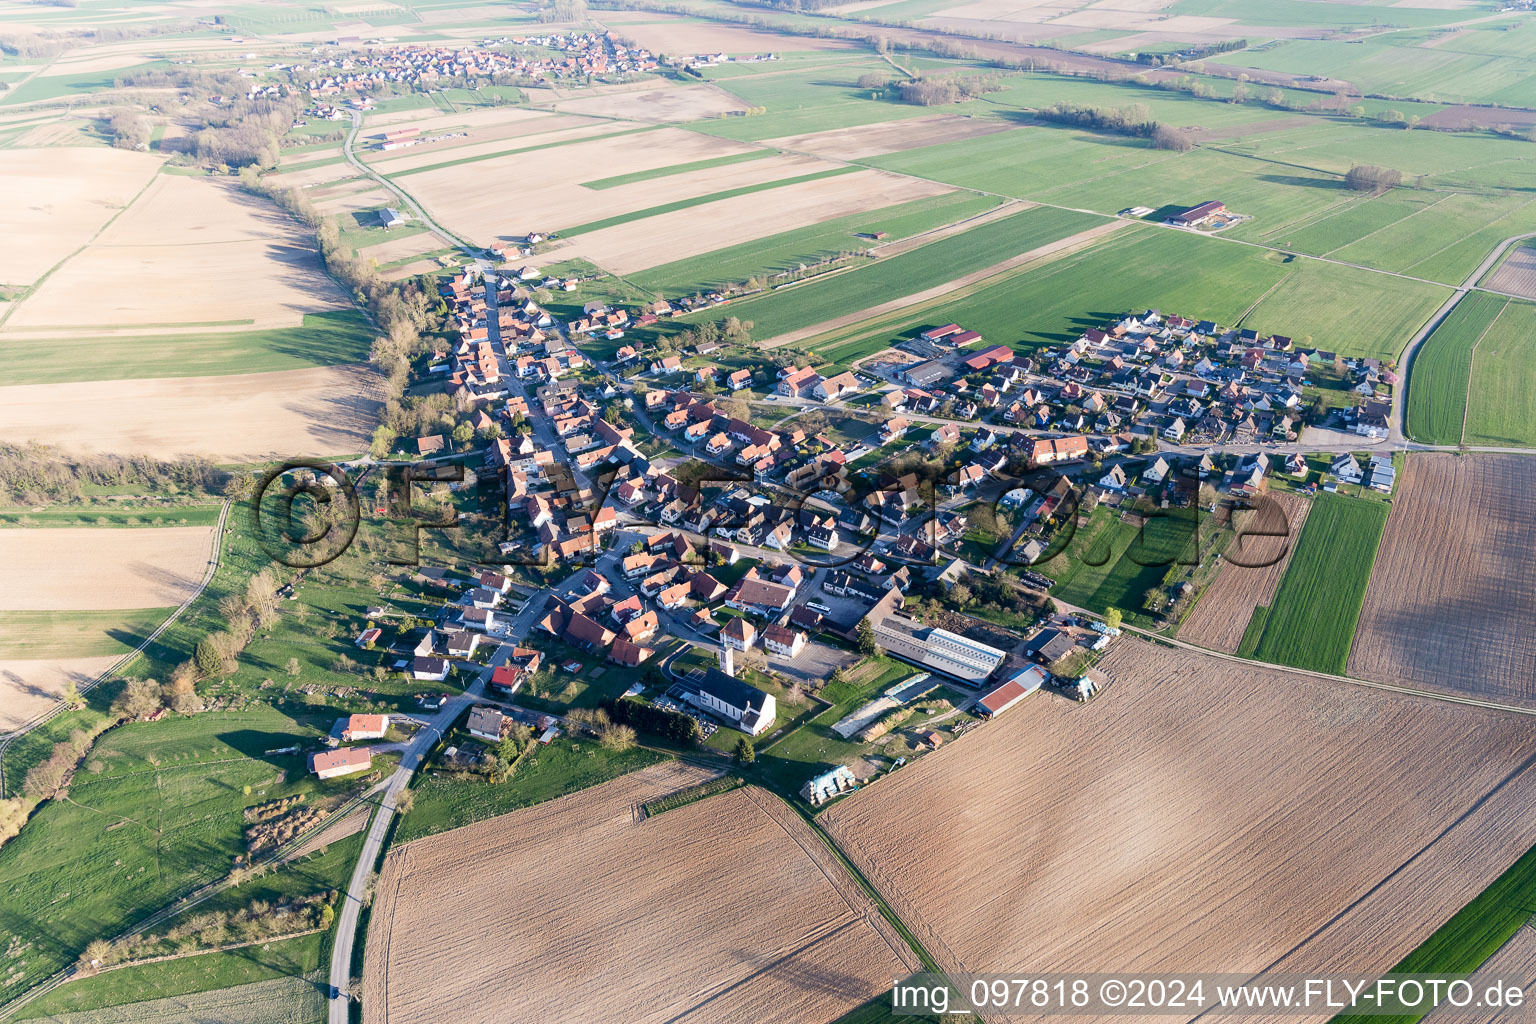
point(706, 587)
point(739, 633)
point(365, 727)
point(507, 678)
point(641, 628)
point(674, 596)
point(584, 631)
point(345, 761)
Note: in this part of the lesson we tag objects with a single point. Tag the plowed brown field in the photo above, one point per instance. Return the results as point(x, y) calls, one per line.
point(1198, 813)
point(1452, 600)
point(579, 910)
point(1222, 614)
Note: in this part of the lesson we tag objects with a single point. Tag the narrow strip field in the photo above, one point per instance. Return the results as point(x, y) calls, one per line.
point(1502, 405)
point(1254, 564)
point(814, 305)
point(1437, 383)
point(1312, 621)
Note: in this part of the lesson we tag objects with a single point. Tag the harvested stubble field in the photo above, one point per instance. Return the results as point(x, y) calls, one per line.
point(189, 251)
point(31, 686)
point(1264, 545)
point(57, 198)
point(667, 237)
point(1221, 817)
point(1452, 602)
point(666, 918)
point(1517, 274)
point(82, 568)
point(889, 137)
point(324, 411)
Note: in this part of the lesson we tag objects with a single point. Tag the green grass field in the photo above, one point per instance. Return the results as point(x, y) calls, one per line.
point(562, 767)
point(1437, 384)
point(288, 958)
point(1139, 267)
point(1311, 622)
point(923, 267)
point(1502, 407)
point(324, 339)
point(113, 515)
point(76, 634)
point(789, 249)
point(57, 86)
point(156, 812)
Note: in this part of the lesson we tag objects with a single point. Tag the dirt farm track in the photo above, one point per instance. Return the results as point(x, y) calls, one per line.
point(705, 913)
point(1452, 600)
point(1198, 813)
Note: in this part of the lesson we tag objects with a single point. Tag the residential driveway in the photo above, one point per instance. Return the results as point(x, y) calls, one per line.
point(813, 664)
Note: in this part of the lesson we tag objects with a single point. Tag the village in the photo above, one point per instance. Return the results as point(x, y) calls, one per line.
point(722, 566)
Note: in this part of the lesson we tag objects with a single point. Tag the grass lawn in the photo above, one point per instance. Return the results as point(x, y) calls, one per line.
point(1311, 622)
point(1112, 564)
point(1502, 408)
point(599, 679)
point(75, 634)
point(564, 766)
point(813, 747)
point(156, 812)
point(324, 339)
point(944, 260)
point(1437, 385)
point(205, 973)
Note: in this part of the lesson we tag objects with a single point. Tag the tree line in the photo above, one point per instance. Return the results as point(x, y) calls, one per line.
point(37, 474)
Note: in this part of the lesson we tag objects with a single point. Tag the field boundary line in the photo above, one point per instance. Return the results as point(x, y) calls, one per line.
point(35, 285)
point(126, 659)
point(1466, 403)
point(1400, 220)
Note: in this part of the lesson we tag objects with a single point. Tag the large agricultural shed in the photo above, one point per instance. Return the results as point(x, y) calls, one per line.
point(1240, 818)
